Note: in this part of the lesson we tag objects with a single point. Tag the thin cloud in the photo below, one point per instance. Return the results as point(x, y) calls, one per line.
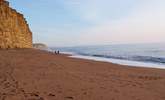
point(144, 24)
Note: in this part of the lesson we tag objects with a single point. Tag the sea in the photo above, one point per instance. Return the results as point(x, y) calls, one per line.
point(139, 55)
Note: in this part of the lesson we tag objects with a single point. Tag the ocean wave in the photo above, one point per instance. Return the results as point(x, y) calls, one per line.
point(131, 58)
point(149, 59)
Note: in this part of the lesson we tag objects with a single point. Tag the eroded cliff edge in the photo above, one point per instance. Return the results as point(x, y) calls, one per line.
point(14, 30)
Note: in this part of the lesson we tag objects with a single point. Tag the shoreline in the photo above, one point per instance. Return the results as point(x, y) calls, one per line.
point(117, 61)
point(40, 75)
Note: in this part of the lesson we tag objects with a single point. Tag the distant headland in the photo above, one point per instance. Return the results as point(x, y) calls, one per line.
point(40, 46)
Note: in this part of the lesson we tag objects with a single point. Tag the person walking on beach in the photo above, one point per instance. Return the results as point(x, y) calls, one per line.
point(58, 52)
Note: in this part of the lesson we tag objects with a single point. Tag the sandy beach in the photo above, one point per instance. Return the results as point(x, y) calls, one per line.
point(27, 74)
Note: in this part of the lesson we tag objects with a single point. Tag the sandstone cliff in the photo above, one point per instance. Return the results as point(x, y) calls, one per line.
point(14, 30)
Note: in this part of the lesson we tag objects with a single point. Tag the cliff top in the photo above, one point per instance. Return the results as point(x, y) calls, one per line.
point(4, 2)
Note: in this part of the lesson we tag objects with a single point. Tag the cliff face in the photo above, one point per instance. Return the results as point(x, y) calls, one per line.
point(14, 30)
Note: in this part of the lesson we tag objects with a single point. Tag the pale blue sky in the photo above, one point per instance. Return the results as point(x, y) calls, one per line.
point(92, 22)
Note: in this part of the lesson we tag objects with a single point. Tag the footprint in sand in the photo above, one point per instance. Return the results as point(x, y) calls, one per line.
point(52, 95)
point(33, 96)
point(69, 98)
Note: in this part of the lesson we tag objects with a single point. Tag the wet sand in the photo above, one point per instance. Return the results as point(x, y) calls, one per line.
point(27, 74)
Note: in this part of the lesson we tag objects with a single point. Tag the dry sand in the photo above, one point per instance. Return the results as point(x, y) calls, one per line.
point(37, 75)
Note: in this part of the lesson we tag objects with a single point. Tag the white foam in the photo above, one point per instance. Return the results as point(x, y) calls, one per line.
point(121, 62)
point(70, 53)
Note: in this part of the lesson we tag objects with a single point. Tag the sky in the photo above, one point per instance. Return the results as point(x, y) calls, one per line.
point(94, 22)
